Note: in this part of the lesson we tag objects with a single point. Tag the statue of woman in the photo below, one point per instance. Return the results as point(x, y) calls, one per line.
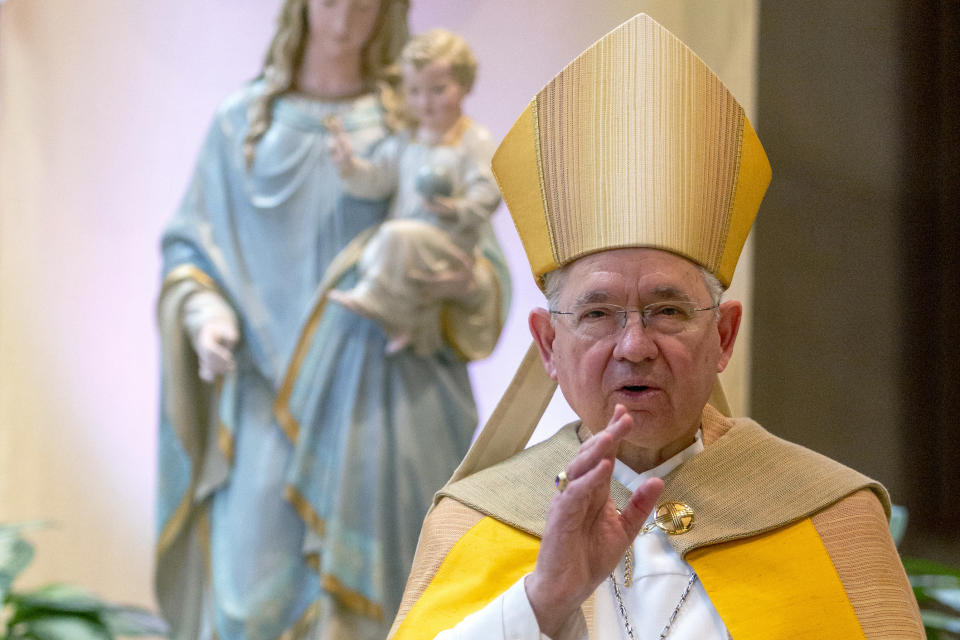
point(296, 460)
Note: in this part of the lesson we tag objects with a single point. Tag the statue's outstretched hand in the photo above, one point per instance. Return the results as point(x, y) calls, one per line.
point(214, 346)
point(213, 329)
point(585, 536)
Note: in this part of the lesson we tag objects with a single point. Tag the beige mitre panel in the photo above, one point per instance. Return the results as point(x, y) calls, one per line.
point(725, 36)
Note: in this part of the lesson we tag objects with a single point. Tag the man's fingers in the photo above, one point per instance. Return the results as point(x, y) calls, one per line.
point(640, 505)
point(601, 445)
point(620, 424)
point(589, 455)
point(587, 492)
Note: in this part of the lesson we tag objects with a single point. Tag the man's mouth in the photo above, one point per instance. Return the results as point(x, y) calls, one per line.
point(636, 388)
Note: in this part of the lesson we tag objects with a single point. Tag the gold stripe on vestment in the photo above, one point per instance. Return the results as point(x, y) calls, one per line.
point(305, 510)
point(175, 524)
point(225, 441)
point(353, 600)
point(187, 272)
point(299, 629)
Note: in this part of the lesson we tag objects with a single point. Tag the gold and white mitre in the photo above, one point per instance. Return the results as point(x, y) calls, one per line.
point(636, 143)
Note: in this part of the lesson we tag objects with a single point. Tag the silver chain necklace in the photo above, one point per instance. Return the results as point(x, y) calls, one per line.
point(673, 616)
point(672, 518)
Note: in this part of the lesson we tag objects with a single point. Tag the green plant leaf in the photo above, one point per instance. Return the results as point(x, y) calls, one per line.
point(940, 621)
point(57, 598)
point(65, 628)
point(133, 621)
point(930, 581)
point(15, 555)
point(947, 597)
point(920, 566)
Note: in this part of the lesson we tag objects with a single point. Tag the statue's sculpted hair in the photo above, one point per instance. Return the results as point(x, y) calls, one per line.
point(438, 44)
point(285, 55)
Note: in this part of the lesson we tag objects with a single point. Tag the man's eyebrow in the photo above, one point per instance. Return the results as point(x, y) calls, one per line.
point(661, 292)
point(670, 292)
point(590, 297)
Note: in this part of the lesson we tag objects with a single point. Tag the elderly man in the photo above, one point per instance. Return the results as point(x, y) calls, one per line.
point(633, 179)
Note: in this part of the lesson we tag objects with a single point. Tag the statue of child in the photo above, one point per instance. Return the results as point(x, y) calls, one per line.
point(438, 172)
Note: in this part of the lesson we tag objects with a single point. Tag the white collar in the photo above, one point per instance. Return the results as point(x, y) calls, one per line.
point(631, 479)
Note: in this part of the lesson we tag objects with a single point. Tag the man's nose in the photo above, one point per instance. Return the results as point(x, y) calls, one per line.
point(635, 342)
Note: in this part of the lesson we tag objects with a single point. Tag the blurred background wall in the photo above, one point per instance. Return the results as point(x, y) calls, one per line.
point(857, 274)
point(103, 105)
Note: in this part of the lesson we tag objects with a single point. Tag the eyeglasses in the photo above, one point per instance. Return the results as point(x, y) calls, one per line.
point(601, 320)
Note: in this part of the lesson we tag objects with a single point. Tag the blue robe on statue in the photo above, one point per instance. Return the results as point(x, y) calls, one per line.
point(292, 491)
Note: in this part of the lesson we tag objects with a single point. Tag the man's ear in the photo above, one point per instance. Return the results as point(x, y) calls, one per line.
point(543, 332)
point(728, 325)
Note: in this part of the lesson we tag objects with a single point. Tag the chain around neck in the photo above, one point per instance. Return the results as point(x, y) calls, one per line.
point(673, 616)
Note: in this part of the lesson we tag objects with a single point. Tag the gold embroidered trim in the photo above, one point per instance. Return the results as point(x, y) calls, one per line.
point(174, 524)
point(534, 111)
point(225, 442)
point(305, 510)
point(725, 230)
point(187, 272)
point(299, 629)
point(351, 599)
point(177, 521)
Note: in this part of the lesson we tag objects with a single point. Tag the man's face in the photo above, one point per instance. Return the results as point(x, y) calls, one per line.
point(663, 379)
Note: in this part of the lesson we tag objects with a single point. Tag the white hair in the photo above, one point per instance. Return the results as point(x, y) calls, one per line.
point(553, 282)
point(714, 288)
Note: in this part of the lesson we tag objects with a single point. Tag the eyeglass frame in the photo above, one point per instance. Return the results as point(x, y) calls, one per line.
point(644, 317)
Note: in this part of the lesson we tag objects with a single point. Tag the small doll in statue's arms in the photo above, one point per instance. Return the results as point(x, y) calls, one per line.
point(438, 173)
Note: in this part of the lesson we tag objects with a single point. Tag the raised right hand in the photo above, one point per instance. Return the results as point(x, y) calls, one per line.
point(585, 537)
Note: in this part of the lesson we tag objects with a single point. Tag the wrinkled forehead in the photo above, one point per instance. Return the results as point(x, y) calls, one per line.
point(619, 275)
